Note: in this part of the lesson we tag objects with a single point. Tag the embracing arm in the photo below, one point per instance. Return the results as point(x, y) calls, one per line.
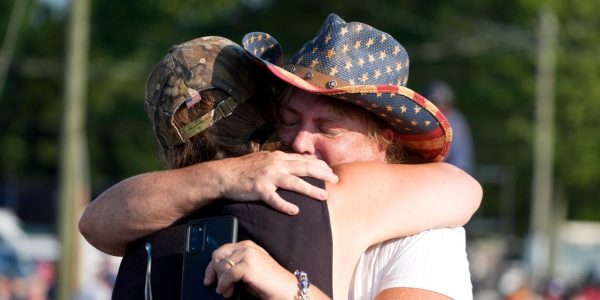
point(365, 198)
point(379, 201)
point(143, 204)
point(251, 264)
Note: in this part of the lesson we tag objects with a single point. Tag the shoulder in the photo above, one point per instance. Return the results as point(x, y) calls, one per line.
point(431, 238)
point(433, 260)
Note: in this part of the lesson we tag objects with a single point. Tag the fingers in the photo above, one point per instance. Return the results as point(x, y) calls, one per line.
point(302, 165)
point(275, 201)
point(218, 269)
point(210, 274)
point(215, 266)
point(298, 185)
point(227, 280)
point(259, 175)
point(249, 263)
point(290, 180)
point(294, 184)
point(228, 267)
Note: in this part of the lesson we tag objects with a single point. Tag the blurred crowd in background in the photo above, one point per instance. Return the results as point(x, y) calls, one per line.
point(28, 265)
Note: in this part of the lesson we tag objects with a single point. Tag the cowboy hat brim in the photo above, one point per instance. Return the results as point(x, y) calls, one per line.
point(421, 126)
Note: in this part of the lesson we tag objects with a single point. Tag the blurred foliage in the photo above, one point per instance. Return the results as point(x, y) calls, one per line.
point(486, 49)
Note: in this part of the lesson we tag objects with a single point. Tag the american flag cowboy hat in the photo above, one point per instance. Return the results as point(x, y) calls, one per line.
point(357, 63)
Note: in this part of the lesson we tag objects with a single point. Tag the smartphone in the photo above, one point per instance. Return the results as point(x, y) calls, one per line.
point(203, 237)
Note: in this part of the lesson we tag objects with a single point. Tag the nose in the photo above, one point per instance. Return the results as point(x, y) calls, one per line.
point(303, 143)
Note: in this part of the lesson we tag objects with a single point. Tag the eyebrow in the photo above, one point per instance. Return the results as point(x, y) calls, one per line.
point(288, 108)
point(330, 118)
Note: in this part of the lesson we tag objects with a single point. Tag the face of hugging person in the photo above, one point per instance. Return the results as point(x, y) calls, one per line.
point(329, 129)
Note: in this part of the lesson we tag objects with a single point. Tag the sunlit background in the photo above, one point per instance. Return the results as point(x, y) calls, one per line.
point(525, 75)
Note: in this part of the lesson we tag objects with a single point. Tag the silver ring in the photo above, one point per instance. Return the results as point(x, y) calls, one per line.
point(229, 262)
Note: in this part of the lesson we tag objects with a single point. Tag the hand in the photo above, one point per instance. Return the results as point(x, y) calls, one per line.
point(259, 175)
point(247, 262)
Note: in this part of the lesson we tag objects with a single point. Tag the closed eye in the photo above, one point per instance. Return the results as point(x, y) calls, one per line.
point(285, 123)
point(331, 130)
point(333, 133)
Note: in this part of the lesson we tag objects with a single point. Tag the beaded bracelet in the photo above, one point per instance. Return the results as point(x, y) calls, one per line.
point(303, 284)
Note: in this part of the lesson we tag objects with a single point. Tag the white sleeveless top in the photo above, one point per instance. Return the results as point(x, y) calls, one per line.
point(434, 260)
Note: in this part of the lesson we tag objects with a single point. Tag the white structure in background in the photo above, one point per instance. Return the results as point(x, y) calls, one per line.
point(578, 250)
point(15, 261)
point(97, 272)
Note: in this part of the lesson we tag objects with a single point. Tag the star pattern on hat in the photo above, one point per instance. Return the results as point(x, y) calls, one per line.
point(264, 46)
point(360, 54)
point(371, 69)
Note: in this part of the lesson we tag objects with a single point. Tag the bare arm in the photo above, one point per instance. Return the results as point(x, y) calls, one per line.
point(143, 204)
point(252, 265)
point(370, 203)
point(146, 203)
point(383, 201)
point(374, 202)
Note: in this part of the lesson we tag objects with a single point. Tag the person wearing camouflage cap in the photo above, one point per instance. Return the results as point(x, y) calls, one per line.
point(181, 130)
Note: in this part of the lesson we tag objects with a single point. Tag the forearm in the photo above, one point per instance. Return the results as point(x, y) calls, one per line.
point(143, 204)
point(290, 290)
point(402, 200)
point(435, 195)
point(146, 203)
point(315, 294)
point(247, 262)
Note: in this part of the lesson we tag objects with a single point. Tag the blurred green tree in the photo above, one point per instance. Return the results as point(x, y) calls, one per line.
point(485, 49)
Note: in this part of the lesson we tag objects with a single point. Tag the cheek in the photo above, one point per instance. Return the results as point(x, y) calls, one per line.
point(350, 148)
point(328, 153)
point(341, 150)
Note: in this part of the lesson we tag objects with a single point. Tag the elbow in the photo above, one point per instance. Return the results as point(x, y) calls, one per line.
point(475, 196)
point(85, 226)
point(470, 195)
point(90, 231)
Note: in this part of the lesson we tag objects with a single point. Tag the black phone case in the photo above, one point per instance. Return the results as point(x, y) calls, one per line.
point(202, 238)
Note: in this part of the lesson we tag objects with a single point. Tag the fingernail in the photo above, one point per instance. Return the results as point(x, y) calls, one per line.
point(323, 195)
point(294, 210)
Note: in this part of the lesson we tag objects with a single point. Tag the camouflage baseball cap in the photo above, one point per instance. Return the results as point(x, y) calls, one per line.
point(205, 63)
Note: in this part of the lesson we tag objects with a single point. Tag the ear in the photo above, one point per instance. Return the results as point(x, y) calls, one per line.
point(388, 134)
point(388, 139)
